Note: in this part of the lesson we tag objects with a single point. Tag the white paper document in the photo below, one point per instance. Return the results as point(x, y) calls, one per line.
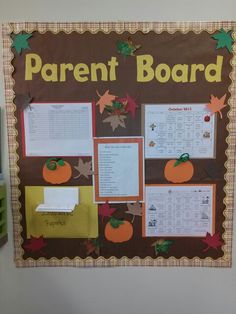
point(118, 168)
point(174, 129)
point(58, 129)
point(172, 210)
point(59, 199)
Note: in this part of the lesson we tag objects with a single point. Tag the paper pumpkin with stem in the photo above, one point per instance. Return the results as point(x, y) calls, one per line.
point(180, 170)
point(118, 231)
point(56, 171)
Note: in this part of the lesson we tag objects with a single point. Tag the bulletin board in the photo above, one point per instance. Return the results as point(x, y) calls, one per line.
point(121, 142)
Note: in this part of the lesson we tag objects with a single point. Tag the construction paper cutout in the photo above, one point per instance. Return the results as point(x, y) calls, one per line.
point(56, 171)
point(115, 121)
point(81, 223)
point(131, 105)
point(20, 42)
point(118, 107)
point(105, 100)
point(35, 244)
point(23, 101)
point(84, 169)
point(224, 39)
point(105, 210)
point(180, 170)
point(212, 241)
point(134, 209)
point(216, 104)
point(118, 231)
point(92, 246)
point(127, 48)
point(162, 246)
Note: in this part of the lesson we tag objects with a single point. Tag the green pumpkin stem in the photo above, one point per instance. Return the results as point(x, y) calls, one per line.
point(183, 158)
point(52, 163)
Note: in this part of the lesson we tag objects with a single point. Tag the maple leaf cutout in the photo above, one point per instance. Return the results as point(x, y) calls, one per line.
point(115, 121)
point(224, 40)
point(131, 105)
point(35, 244)
point(127, 47)
point(162, 246)
point(84, 169)
point(92, 246)
point(105, 100)
point(20, 42)
point(105, 210)
point(23, 101)
point(216, 104)
point(212, 241)
point(134, 209)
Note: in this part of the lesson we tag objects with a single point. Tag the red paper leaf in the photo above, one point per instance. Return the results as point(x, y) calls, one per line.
point(131, 105)
point(216, 104)
point(35, 244)
point(104, 210)
point(213, 241)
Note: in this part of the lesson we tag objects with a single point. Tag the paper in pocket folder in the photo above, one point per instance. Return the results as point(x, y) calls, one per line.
point(82, 222)
point(3, 214)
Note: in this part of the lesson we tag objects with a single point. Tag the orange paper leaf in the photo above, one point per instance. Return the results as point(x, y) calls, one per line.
point(216, 104)
point(105, 100)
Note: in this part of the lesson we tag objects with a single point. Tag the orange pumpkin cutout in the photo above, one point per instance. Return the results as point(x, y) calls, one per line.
point(56, 171)
point(180, 170)
point(118, 231)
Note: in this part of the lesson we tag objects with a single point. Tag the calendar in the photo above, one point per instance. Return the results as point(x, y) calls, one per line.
point(171, 130)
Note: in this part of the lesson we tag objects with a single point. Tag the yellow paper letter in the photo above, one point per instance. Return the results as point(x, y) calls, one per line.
point(162, 67)
point(33, 64)
point(113, 64)
point(49, 72)
point(63, 68)
point(180, 73)
point(194, 69)
point(144, 65)
point(80, 70)
point(98, 66)
point(213, 71)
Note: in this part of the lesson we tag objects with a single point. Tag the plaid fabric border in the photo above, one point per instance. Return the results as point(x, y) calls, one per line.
point(119, 27)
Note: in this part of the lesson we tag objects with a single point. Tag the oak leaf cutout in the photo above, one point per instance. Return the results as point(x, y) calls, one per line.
point(212, 241)
point(105, 210)
point(35, 244)
point(216, 104)
point(162, 246)
point(115, 121)
point(84, 169)
point(134, 209)
point(105, 100)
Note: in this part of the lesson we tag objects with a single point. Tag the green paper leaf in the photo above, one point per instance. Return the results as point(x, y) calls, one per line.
point(224, 39)
point(20, 42)
point(61, 162)
point(115, 223)
point(162, 246)
point(126, 48)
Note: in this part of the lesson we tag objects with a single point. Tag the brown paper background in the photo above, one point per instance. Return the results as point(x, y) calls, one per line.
point(165, 47)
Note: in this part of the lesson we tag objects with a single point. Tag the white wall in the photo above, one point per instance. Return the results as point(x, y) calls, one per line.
point(113, 290)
